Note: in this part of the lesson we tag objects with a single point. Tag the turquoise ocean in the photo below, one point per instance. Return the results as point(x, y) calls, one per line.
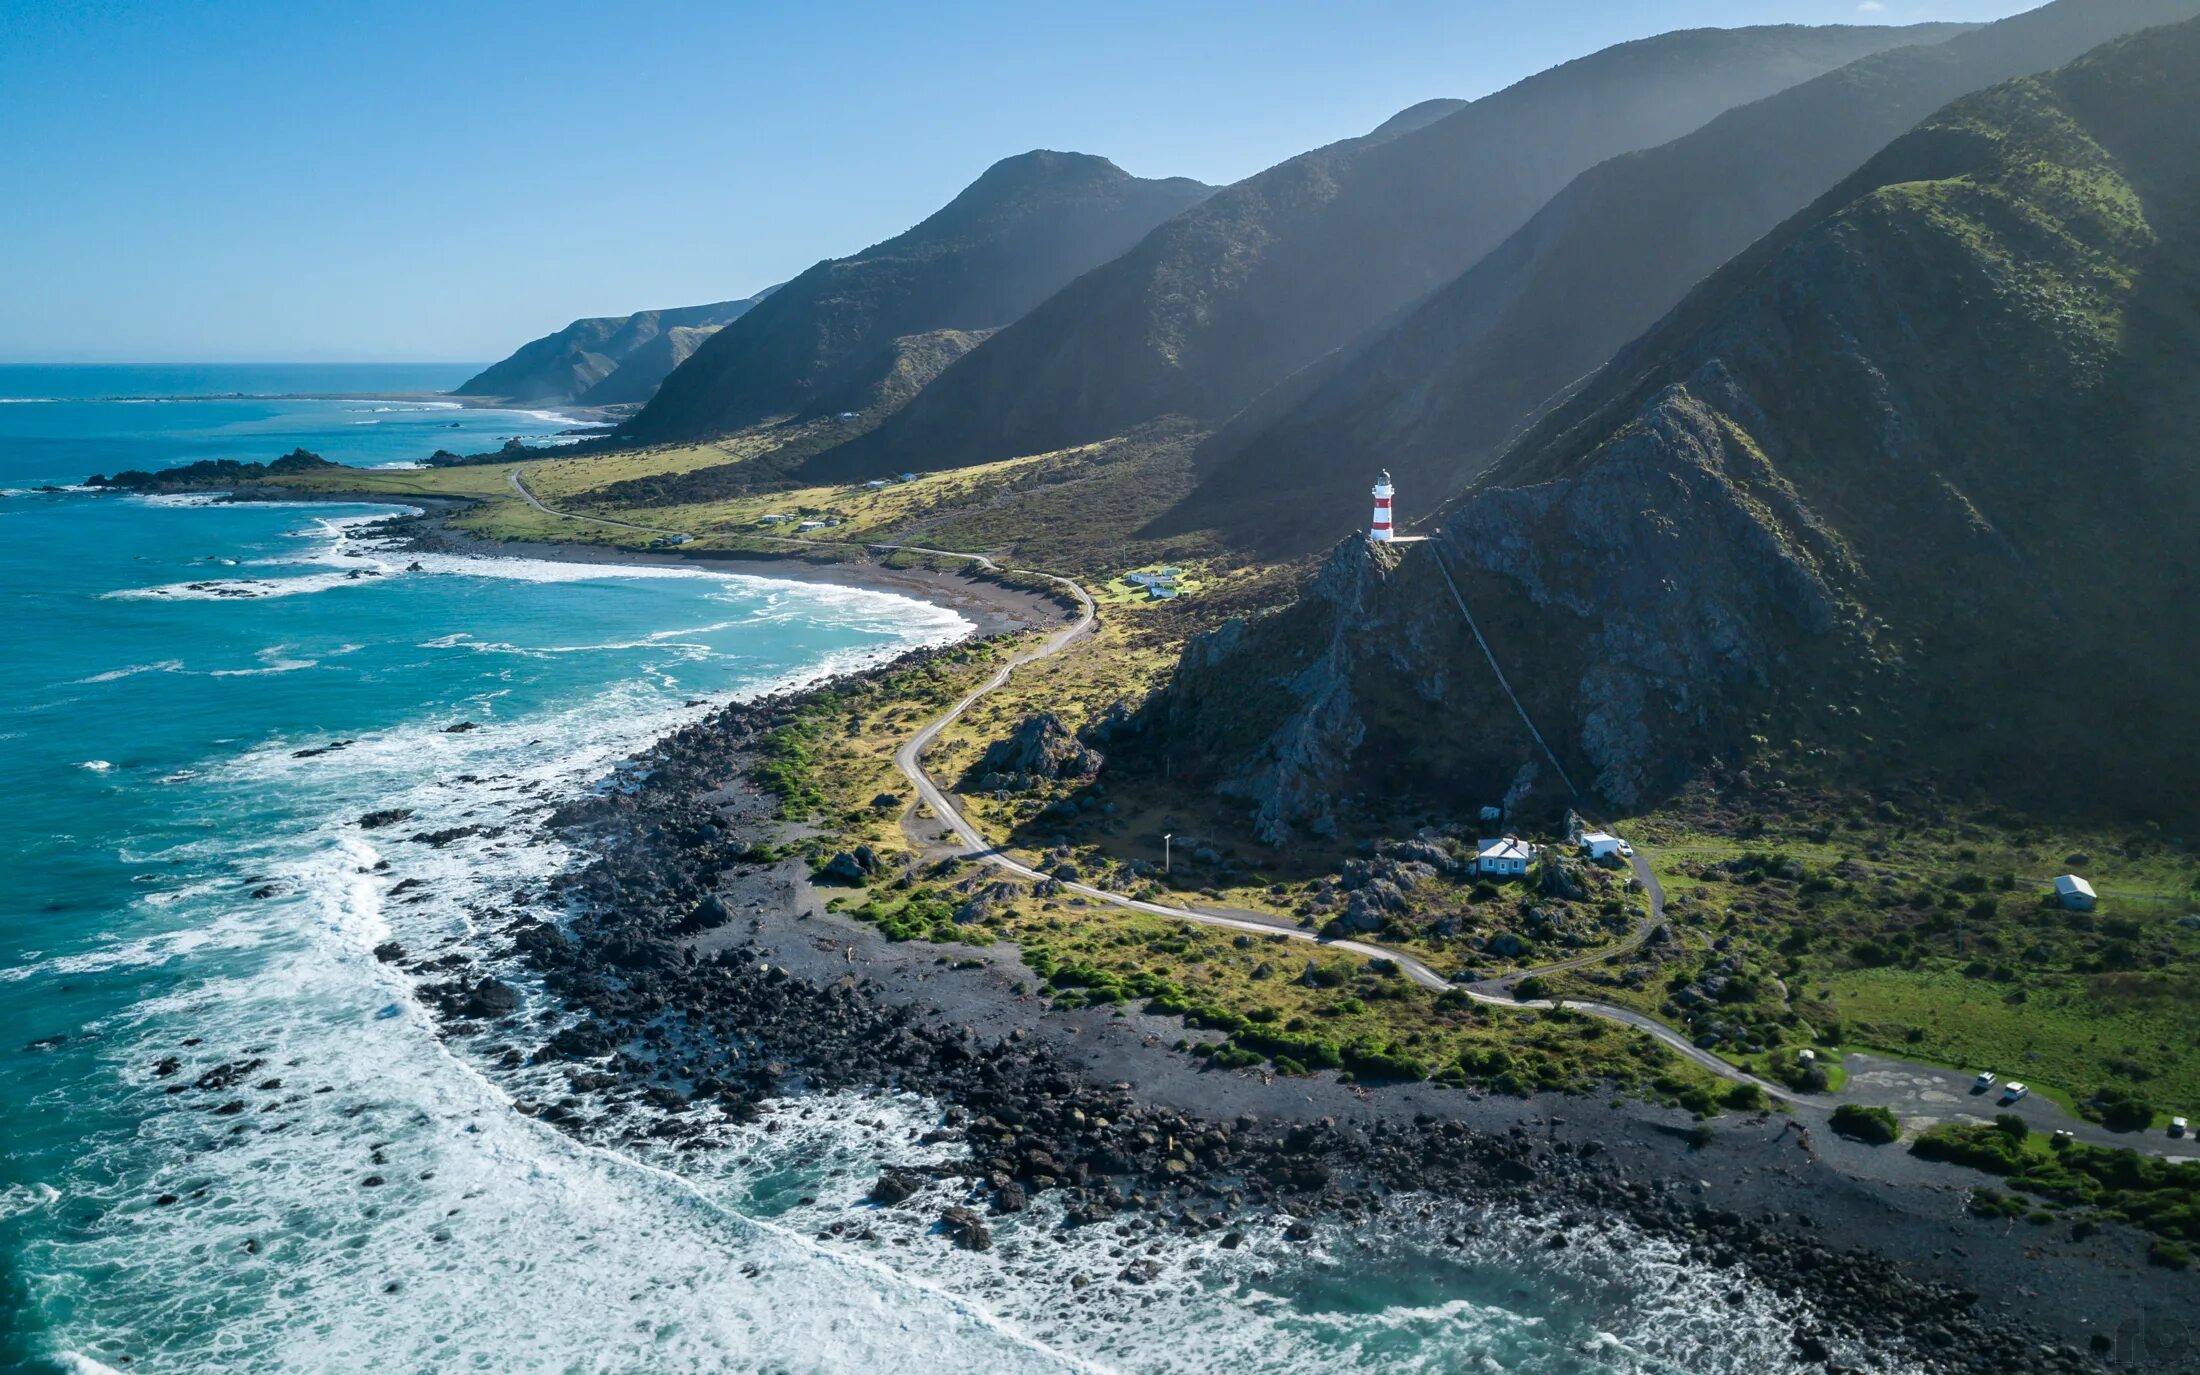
point(185, 878)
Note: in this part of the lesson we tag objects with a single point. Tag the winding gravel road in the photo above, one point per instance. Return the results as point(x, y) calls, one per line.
point(1919, 1094)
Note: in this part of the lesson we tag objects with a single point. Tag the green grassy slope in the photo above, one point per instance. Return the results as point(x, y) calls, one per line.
point(1912, 477)
point(1907, 489)
point(1434, 399)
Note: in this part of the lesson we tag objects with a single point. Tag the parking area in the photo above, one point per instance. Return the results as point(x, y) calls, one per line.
point(1923, 1096)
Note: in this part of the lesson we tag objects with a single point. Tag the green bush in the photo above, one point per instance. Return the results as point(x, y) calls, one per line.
point(2120, 1110)
point(1746, 1098)
point(1875, 1126)
point(1982, 1148)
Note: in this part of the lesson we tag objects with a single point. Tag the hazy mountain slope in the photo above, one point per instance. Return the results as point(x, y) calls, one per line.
point(1909, 486)
point(1434, 399)
point(1013, 237)
point(563, 365)
point(639, 374)
point(1271, 273)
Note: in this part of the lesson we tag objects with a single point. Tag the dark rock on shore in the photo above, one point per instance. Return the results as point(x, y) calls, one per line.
point(1040, 749)
point(665, 1000)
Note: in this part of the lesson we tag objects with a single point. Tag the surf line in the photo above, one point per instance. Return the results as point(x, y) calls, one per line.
point(677, 1183)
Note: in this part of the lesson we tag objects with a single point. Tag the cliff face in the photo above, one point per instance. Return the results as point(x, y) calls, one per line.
point(1906, 488)
point(1362, 688)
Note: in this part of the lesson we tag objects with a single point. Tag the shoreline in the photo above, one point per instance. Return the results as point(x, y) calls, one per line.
point(992, 606)
point(1878, 1244)
point(709, 932)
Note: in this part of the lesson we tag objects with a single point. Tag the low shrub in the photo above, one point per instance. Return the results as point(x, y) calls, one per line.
point(1874, 1126)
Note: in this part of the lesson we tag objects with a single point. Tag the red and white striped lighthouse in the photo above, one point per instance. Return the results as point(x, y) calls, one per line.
point(1380, 530)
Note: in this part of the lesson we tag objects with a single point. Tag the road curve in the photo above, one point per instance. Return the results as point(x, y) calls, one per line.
point(909, 759)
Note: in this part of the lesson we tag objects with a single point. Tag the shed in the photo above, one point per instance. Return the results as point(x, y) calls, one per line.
point(2075, 893)
point(1599, 845)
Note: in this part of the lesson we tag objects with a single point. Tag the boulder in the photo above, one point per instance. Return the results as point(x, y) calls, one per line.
point(967, 1228)
point(896, 1186)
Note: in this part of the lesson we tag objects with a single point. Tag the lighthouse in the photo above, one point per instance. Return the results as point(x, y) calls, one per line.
point(1380, 530)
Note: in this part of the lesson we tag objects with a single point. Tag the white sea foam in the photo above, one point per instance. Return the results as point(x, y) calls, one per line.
point(18, 1199)
point(115, 674)
point(511, 1246)
point(144, 952)
point(273, 659)
point(96, 765)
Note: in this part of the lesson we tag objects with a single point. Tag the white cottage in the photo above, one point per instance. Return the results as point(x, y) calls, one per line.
point(2075, 893)
point(1508, 855)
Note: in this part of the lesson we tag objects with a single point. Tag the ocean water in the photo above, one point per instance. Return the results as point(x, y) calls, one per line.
point(197, 703)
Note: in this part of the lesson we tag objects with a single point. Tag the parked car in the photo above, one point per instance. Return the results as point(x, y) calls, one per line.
point(2012, 1091)
point(2177, 1126)
point(1626, 851)
point(1984, 1081)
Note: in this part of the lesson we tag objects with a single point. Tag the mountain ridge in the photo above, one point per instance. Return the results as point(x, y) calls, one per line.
point(1024, 228)
point(1223, 301)
point(1438, 394)
point(1839, 513)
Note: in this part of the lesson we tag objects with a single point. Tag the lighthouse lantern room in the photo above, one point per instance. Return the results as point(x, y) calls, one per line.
point(1380, 530)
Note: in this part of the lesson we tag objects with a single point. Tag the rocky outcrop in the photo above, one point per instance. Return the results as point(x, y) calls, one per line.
point(1040, 750)
point(1363, 684)
point(1810, 514)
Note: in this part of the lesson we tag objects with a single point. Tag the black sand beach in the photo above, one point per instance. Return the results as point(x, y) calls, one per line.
point(714, 984)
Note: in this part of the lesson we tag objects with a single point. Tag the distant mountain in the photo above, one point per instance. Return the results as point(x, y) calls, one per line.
point(1906, 488)
point(1016, 235)
point(564, 366)
point(1435, 398)
point(1269, 274)
point(641, 372)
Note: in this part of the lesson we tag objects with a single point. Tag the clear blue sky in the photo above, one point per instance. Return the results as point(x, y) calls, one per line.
point(188, 180)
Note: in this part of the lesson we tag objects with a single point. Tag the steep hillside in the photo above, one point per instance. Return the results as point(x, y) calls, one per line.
point(562, 366)
point(1907, 488)
point(1272, 272)
point(641, 372)
point(1013, 237)
point(1436, 398)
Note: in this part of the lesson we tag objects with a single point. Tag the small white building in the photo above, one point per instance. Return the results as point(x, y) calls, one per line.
point(811, 525)
point(878, 484)
point(1599, 845)
point(1508, 855)
point(2075, 893)
point(773, 518)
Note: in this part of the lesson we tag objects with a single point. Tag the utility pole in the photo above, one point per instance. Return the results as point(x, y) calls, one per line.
point(1166, 837)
